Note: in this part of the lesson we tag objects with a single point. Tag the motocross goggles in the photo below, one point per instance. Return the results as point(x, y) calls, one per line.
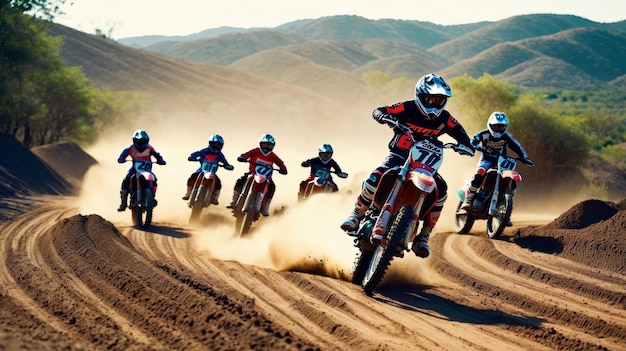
point(266, 145)
point(325, 155)
point(498, 128)
point(434, 101)
point(216, 146)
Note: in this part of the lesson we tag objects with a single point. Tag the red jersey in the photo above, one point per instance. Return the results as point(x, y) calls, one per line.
point(255, 156)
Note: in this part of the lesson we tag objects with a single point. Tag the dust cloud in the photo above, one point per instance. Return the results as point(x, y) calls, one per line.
point(296, 236)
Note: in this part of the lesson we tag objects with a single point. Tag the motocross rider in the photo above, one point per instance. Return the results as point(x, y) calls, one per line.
point(494, 139)
point(139, 150)
point(263, 155)
point(213, 151)
point(427, 118)
point(323, 161)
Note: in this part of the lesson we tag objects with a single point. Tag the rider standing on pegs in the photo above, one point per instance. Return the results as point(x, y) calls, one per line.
point(426, 117)
point(494, 139)
point(213, 151)
point(323, 161)
point(263, 155)
point(139, 150)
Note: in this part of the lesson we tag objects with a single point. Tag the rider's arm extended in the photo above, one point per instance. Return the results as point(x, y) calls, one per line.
point(456, 131)
point(123, 155)
point(515, 145)
point(157, 156)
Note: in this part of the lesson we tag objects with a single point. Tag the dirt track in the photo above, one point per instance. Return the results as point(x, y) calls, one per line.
point(69, 281)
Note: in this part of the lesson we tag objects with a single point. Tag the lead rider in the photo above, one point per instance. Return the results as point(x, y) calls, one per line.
point(427, 119)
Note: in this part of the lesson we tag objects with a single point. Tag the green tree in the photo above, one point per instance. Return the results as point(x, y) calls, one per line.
point(478, 98)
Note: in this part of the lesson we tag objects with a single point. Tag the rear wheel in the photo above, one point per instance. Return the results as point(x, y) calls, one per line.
point(384, 253)
point(497, 223)
point(463, 222)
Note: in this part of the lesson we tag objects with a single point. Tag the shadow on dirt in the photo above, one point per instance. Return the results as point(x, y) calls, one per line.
point(421, 301)
point(540, 244)
point(178, 233)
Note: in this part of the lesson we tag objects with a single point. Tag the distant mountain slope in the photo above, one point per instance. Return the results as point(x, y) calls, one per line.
point(580, 58)
point(510, 29)
point(293, 69)
point(579, 53)
point(227, 48)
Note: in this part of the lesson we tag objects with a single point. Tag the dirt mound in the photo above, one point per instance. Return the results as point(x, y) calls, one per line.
point(108, 264)
point(584, 214)
point(592, 232)
point(23, 173)
point(66, 158)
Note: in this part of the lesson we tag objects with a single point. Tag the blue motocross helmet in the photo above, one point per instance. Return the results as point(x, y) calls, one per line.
point(325, 153)
point(216, 142)
point(266, 144)
point(140, 139)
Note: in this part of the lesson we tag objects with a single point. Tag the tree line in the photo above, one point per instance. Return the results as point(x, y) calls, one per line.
point(41, 100)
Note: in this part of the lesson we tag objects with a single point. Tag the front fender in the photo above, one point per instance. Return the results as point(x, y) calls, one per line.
point(513, 175)
point(149, 176)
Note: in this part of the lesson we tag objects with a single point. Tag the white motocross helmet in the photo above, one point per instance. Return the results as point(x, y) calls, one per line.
point(497, 124)
point(431, 95)
point(266, 144)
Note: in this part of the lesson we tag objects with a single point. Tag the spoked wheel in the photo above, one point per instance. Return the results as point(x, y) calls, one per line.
point(197, 204)
point(497, 223)
point(361, 264)
point(250, 213)
point(142, 213)
point(384, 252)
point(463, 222)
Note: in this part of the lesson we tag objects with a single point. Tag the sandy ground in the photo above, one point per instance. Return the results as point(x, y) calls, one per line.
point(75, 275)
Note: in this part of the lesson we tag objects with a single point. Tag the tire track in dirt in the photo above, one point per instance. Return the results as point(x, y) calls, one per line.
point(494, 275)
point(80, 279)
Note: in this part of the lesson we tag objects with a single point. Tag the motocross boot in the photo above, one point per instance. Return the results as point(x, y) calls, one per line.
point(469, 198)
point(352, 222)
point(232, 204)
point(124, 200)
point(420, 243)
point(186, 196)
point(215, 197)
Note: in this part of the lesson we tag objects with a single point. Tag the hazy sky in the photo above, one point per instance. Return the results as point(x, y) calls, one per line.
point(128, 18)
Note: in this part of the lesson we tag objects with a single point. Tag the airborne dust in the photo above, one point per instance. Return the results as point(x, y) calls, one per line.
point(297, 237)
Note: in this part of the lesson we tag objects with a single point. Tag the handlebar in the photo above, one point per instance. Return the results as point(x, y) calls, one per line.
point(259, 164)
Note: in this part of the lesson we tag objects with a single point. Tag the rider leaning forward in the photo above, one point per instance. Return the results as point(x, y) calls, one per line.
point(426, 117)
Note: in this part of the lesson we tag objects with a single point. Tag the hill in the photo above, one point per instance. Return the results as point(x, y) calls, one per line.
point(518, 48)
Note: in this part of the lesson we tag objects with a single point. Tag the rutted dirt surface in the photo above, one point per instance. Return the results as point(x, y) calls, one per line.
point(81, 282)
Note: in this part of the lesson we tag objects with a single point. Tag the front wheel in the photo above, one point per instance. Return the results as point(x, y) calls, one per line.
point(385, 251)
point(197, 204)
point(497, 223)
point(463, 222)
point(361, 264)
point(142, 213)
point(249, 214)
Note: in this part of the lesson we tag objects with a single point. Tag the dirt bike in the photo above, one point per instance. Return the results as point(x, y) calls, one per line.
point(247, 208)
point(320, 183)
point(493, 200)
point(204, 186)
point(142, 192)
point(400, 201)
